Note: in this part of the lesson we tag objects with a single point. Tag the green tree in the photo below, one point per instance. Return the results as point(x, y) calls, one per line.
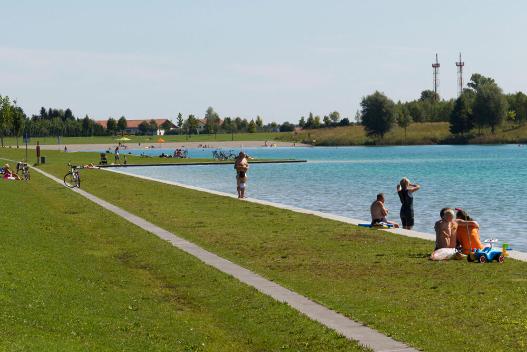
point(191, 125)
point(416, 111)
point(518, 103)
point(335, 117)
point(287, 127)
point(180, 122)
point(252, 126)
point(302, 122)
point(404, 119)
point(68, 115)
point(152, 127)
point(429, 95)
point(259, 122)
point(316, 122)
point(18, 121)
point(87, 126)
point(461, 118)
point(327, 121)
point(111, 125)
point(5, 117)
point(167, 125)
point(144, 127)
point(122, 124)
point(490, 106)
point(477, 80)
point(377, 114)
point(212, 121)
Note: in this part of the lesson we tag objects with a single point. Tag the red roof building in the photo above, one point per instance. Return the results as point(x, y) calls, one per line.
point(133, 125)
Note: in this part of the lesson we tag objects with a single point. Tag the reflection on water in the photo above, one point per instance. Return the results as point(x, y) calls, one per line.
point(488, 181)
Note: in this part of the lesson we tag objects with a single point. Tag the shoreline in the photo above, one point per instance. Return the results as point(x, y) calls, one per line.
point(517, 255)
point(168, 145)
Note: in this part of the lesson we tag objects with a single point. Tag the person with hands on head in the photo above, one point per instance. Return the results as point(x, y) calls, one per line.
point(405, 190)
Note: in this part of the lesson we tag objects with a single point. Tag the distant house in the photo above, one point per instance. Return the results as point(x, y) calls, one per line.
point(133, 125)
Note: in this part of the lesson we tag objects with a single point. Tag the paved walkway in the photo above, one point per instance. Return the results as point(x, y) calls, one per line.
point(338, 322)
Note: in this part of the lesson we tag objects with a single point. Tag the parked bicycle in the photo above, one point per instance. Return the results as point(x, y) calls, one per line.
point(221, 155)
point(23, 167)
point(73, 178)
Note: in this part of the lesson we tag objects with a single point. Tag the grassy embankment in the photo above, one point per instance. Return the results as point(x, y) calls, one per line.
point(222, 137)
point(378, 278)
point(417, 133)
point(76, 278)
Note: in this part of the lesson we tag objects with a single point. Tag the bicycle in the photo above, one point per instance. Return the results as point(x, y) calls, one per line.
point(73, 178)
point(24, 167)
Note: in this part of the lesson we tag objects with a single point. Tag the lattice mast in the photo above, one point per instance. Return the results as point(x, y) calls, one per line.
point(436, 66)
point(460, 64)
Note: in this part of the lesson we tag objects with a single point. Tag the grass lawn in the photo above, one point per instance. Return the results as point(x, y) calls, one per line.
point(381, 279)
point(223, 137)
point(76, 278)
point(417, 133)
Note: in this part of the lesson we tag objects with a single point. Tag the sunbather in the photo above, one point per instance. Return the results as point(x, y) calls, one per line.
point(379, 212)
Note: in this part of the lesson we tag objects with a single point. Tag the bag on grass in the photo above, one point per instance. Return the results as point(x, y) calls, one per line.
point(444, 254)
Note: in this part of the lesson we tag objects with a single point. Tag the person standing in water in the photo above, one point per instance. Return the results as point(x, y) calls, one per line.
point(405, 190)
point(241, 165)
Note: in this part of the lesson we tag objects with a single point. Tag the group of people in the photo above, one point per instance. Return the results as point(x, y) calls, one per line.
point(379, 212)
point(8, 174)
point(454, 229)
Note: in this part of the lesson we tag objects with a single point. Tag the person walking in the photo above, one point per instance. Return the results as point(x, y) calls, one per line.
point(405, 190)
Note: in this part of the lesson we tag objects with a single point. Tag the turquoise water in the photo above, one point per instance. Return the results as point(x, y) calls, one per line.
point(487, 181)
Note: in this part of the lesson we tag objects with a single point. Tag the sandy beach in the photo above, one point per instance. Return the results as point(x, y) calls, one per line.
point(168, 145)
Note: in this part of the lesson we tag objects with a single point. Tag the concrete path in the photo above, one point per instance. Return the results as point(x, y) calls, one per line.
point(338, 322)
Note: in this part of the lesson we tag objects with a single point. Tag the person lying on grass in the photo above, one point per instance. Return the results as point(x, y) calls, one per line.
point(9, 174)
point(379, 212)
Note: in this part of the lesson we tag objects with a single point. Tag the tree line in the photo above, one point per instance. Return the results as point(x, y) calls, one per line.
point(49, 122)
point(482, 105)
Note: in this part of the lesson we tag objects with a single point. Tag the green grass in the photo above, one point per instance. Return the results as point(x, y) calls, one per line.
point(221, 137)
point(416, 134)
point(381, 279)
point(76, 278)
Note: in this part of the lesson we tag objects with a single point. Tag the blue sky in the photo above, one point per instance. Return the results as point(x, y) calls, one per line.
point(277, 59)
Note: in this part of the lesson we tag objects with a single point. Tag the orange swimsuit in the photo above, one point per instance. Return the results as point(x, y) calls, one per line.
point(463, 237)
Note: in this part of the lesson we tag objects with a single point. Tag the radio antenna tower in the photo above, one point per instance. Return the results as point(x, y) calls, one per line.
point(460, 65)
point(436, 66)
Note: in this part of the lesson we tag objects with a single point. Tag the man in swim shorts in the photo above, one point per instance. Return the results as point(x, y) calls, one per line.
point(379, 212)
point(446, 229)
point(241, 165)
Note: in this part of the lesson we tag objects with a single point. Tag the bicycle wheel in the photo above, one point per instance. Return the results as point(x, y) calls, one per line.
point(69, 180)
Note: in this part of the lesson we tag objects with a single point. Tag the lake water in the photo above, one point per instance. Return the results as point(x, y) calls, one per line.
point(487, 181)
